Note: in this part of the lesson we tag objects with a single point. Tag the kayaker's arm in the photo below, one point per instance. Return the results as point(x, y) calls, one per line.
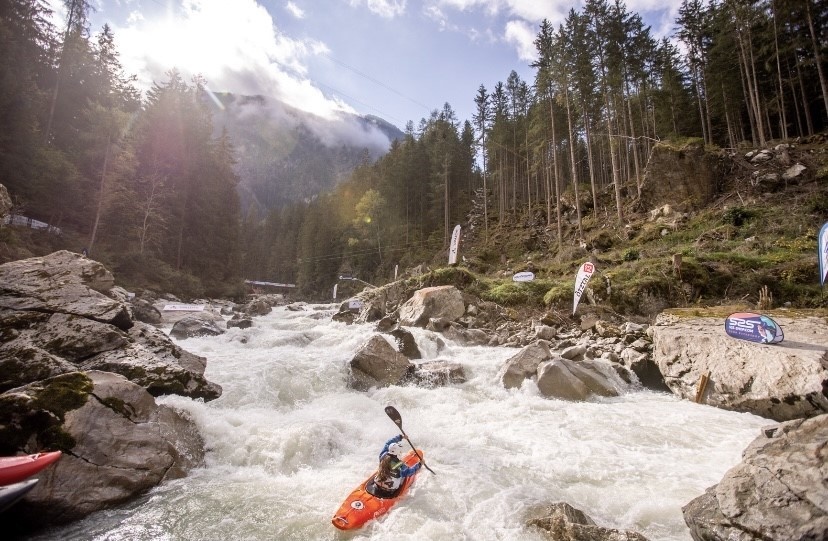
point(407, 471)
point(395, 439)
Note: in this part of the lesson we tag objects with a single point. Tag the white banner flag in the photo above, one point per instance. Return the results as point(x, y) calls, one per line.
point(822, 245)
point(584, 274)
point(455, 242)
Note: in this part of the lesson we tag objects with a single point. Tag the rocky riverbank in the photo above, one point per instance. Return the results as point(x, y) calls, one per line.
point(779, 492)
point(81, 360)
point(78, 373)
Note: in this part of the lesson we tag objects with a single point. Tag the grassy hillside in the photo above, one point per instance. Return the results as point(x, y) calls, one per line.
point(756, 243)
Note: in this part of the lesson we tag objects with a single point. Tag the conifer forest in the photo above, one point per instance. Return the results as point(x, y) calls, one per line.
point(147, 184)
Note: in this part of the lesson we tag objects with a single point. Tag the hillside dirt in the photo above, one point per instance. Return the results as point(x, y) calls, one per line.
point(754, 244)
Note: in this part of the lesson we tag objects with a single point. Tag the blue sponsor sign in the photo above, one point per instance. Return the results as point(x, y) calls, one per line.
point(753, 328)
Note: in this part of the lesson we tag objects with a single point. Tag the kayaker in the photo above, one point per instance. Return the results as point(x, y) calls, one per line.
point(392, 470)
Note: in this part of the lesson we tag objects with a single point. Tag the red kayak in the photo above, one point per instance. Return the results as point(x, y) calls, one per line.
point(361, 506)
point(17, 468)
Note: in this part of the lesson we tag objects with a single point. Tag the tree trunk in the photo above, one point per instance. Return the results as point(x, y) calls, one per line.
point(782, 114)
point(616, 177)
point(571, 136)
point(808, 121)
point(590, 166)
point(817, 56)
point(99, 209)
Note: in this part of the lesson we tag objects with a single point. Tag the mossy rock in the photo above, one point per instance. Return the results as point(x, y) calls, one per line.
point(458, 277)
point(559, 295)
point(517, 293)
point(603, 240)
point(31, 418)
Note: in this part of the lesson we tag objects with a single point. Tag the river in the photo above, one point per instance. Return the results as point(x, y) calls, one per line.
point(287, 441)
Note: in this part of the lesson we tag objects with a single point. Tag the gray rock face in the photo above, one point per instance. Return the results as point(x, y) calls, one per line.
point(257, 307)
point(62, 282)
point(562, 522)
point(119, 443)
point(432, 303)
point(783, 381)
point(524, 364)
point(686, 177)
point(36, 346)
point(153, 373)
point(779, 492)
point(468, 337)
point(57, 334)
point(145, 311)
point(191, 326)
point(378, 364)
point(406, 343)
point(439, 373)
point(5, 201)
point(558, 377)
point(577, 380)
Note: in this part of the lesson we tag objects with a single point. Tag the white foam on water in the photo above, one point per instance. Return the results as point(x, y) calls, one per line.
point(288, 441)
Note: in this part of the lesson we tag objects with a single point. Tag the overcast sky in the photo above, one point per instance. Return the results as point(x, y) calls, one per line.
point(397, 59)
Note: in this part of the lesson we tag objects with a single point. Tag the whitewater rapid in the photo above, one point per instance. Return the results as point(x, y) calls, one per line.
point(287, 441)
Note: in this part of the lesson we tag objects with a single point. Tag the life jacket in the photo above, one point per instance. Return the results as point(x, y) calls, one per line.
point(394, 480)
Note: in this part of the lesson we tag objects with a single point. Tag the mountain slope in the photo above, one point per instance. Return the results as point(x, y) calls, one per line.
point(285, 155)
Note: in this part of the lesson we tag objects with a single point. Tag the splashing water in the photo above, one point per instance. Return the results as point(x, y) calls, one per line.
point(288, 441)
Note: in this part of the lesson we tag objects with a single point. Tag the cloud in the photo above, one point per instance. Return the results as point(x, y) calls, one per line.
point(384, 8)
point(134, 17)
point(331, 132)
point(522, 35)
point(234, 44)
point(295, 10)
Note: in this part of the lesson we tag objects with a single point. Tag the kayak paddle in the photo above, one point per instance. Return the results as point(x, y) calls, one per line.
point(395, 416)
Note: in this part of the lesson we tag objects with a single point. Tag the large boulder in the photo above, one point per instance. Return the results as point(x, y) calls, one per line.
point(143, 310)
point(117, 443)
point(779, 492)
point(374, 303)
point(560, 377)
point(562, 522)
point(577, 380)
point(195, 325)
point(524, 364)
point(686, 177)
point(406, 344)
point(783, 381)
point(378, 364)
point(36, 346)
point(432, 303)
point(74, 375)
point(439, 373)
point(62, 282)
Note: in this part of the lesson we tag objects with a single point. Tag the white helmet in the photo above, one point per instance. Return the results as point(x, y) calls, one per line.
point(396, 449)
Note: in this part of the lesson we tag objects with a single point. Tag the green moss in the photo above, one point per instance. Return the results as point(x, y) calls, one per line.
point(33, 418)
point(64, 393)
point(737, 216)
point(119, 406)
point(630, 254)
point(558, 295)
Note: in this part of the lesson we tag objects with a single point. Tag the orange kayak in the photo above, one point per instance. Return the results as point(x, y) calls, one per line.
point(17, 468)
point(362, 506)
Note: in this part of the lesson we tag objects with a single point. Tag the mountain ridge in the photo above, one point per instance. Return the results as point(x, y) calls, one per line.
point(285, 155)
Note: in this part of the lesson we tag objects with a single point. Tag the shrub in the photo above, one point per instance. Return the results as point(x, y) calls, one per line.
point(630, 254)
point(737, 216)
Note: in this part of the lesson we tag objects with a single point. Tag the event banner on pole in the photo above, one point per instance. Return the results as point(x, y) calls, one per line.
point(584, 274)
point(455, 242)
point(822, 246)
